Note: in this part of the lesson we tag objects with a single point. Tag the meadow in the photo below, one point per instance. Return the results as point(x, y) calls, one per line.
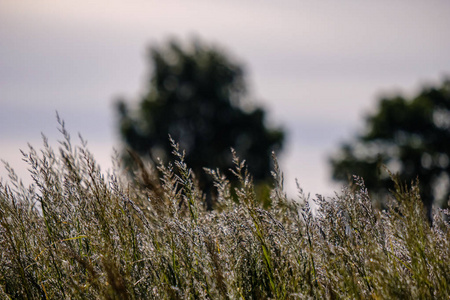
point(78, 233)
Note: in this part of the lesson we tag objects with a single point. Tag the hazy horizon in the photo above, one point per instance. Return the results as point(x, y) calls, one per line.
point(317, 67)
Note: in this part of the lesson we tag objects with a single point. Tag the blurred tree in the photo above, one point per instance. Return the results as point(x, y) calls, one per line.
point(196, 94)
point(409, 136)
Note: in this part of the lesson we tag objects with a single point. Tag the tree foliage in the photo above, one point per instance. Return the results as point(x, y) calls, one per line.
point(197, 95)
point(408, 135)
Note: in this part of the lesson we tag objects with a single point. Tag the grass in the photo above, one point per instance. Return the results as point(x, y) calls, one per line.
point(77, 233)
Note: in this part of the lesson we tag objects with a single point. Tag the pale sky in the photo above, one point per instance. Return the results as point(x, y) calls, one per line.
point(318, 67)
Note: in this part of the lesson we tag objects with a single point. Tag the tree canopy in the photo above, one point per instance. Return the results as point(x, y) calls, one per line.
point(197, 95)
point(410, 136)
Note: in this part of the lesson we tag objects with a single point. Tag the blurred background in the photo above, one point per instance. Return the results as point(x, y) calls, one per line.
point(317, 67)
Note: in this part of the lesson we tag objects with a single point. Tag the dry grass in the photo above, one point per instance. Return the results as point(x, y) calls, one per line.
point(79, 234)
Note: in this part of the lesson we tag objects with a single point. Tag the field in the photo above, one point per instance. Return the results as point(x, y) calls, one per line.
point(77, 233)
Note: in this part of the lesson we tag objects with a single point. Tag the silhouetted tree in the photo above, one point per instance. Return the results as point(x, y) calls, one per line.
point(411, 136)
point(197, 95)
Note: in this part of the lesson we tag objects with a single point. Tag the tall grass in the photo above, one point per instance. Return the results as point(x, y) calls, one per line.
point(77, 233)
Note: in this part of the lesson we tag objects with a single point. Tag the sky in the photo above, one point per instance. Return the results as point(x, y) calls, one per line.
point(317, 67)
